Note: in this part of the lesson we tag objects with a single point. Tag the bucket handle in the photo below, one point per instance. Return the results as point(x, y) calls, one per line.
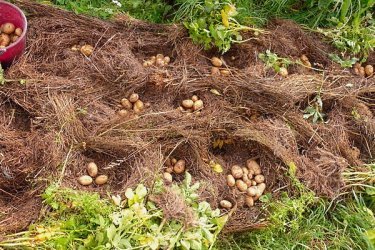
point(2, 51)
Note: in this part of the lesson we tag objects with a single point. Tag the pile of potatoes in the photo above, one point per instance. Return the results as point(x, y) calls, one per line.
point(86, 49)
point(368, 70)
point(9, 34)
point(92, 171)
point(248, 180)
point(216, 70)
point(159, 60)
point(194, 104)
point(132, 103)
point(172, 165)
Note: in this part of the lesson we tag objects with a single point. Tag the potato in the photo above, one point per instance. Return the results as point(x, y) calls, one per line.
point(167, 177)
point(252, 191)
point(187, 103)
point(236, 171)
point(14, 38)
point(173, 161)
point(198, 105)
point(249, 201)
point(101, 180)
point(259, 178)
point(122, 112)
point(357, 65)
point(241, 185)
point(304, 58)
point(167, 59)
point(92, 169)
point(307, 64)
point(250, 175)
point(245, 171)
point(179, 167)
point(283, 72)
point(8, 28)
point(4, 40)
point(225, 72)
point(226, 204)
point(254, 166)
point(139, 104)
point(159, 56)
point(87, 50)
point(18, 32)
point(126, 103)
point(356, 71)
point(85, 180)
point(216, 61)
point(215, 71)
point(369, 70)
point(261, 187)
point(194, 98)
point(133, 98)
point(254, 183)
point(231, 181)
point(362, 71)
point(160, 62)
point(147, 63)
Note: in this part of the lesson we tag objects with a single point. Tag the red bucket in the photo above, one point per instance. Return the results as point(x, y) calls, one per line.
point(12, 14)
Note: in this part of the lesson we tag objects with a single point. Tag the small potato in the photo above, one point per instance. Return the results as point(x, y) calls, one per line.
point(304, 58)
point(160, 62)
point(250, 175)
point(216, 61)
point(122, 112)
point(179, 167)
point(14, 38)
point(357, 65)
point(362, 71)
point(369, 70)
point(167, 177)
point(252, 191)
point(187, 103)
point(307, 64)
point(254, 183)
point(147, 63)
point(253, 165)
point(85, 180)
point(249, 201)
point(139, 104)
point(92, 169)
point(356, 71)
point(194, 98)
point(8, 28)
point(101, 180)
point(245, 171)
point(283, 72)
point(159, 56)
point(225, 72)
point(241, 185)
point(87, 50)
point(167, 59)
point(236, 171)
point(259, 178)
point(18, 32)
point(261, 187)
point(215, 71)
point(231, 181)
point(173, 161)
point(126, 103)
point(133, 97)
point(226, 204)
point(198, 105)
point(4, 40)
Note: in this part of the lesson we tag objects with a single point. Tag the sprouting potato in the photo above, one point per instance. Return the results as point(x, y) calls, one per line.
point(241, 185)
point(87, 50)
point(101, 180)
point(283, 72)
point(215, 71)
point(167, 177)
point(369, 70)
point(198, 105)
point(226, 204)
point(85, 180)
point(252, 191)
point(187, 103)
point(249, 201)
point(194, 98)
point(231, 181)
point(259, 178)
point(216, 61)
point(254, 166)
point(4, 40)
point(179, 167)
point(8, 28)
point(133, 97)
point(18, 32)
point(126, 103)
point(237, 171)
point(92, 169)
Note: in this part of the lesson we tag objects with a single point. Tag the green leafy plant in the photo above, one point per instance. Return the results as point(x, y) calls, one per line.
point(315, 110)
point(272, 60)
point(345, 63)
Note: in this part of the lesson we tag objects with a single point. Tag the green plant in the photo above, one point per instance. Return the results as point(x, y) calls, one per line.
point(345, 63)
point(272, 60)
point(315, 110)
point(4, 80)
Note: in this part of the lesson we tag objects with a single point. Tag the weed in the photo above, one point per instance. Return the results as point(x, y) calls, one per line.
point(315, 110)
point(272, 60)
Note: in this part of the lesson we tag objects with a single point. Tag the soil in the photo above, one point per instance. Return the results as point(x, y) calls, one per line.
point(65, 114)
